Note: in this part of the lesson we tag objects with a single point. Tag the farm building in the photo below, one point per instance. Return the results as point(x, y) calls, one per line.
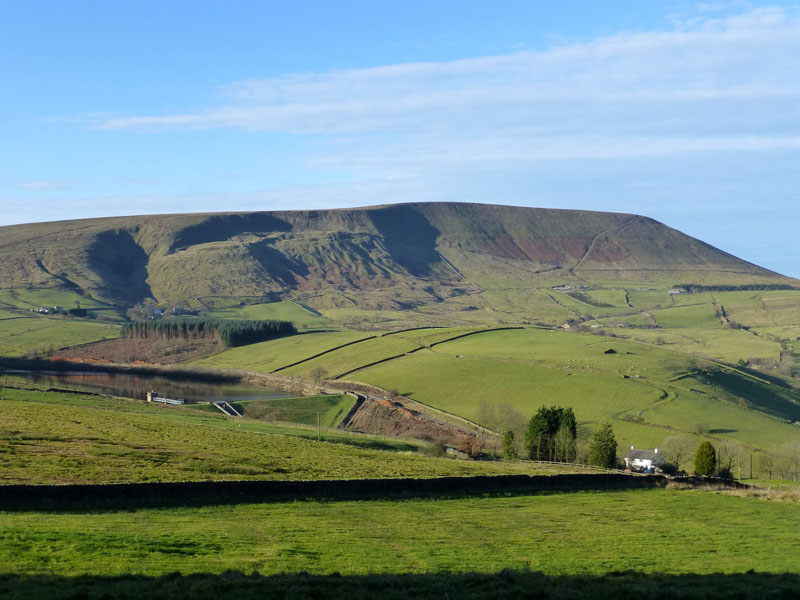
point(644, 460)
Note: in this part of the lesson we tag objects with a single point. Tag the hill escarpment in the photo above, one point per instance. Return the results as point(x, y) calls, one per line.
point(395, 256)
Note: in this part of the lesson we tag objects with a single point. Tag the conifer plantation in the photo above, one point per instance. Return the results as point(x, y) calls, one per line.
point(231, 332)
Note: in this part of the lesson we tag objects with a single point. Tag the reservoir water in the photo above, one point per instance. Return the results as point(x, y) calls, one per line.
point(137, 386)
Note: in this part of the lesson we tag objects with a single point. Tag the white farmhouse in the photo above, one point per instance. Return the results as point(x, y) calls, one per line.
point(647, 461)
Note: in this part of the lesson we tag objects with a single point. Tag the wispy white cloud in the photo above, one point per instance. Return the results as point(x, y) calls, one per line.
point(43, 186)
point(710, 83)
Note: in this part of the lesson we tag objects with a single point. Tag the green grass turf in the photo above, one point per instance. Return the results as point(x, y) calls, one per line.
point(613, 297)
point(653, 531)
point(48, 437)
point(699, 316)
point(763, 309)
point(331, 409)
point(18, 336)
point(273, 354)
point(48, 297)
point(352, 357)
point(281, 311)
point(728, 345)
point(6, 314)
point(460, 385)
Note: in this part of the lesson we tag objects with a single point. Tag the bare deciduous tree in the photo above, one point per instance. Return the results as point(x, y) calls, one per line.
point(766, 463)
point(678, 450)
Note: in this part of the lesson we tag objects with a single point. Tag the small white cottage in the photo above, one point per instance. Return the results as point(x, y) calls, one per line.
point(647, 461)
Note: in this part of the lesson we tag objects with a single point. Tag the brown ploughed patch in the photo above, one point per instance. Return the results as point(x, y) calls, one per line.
point(154, 352)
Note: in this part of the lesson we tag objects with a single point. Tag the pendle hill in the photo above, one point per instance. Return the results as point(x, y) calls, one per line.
point(458, 261)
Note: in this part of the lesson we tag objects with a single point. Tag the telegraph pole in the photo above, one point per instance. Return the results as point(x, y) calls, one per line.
point(317, 426)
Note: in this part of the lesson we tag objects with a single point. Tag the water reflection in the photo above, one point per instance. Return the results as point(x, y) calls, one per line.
point(137, 386)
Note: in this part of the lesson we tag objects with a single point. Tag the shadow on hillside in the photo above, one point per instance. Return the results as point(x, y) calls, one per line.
point(122, 264)
point(409, 237)
point(778, 401)
point(505, 584)
point(218, 228)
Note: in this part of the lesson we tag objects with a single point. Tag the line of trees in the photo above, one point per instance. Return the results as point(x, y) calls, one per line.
point(552, 434)
point(231, 332)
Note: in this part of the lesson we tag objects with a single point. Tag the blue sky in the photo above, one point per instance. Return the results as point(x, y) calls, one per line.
point(685, 112)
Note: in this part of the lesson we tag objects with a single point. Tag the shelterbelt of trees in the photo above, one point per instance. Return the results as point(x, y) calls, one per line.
point(231, 332)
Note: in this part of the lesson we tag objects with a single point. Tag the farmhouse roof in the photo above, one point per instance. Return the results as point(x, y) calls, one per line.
point(655, 457)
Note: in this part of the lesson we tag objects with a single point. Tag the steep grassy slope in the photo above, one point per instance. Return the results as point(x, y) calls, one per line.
point(385, 257)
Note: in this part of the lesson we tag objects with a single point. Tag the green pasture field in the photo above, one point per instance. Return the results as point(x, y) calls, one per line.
point(273, 354)
point(780, 332)
point(648, 531)
point(460, 385)
point(762, 309)
point(5, 314)
point(49, 437)
point(331, 409)
point(648, 299)
point(446, 313)
point(18, 336)
point(725, 419)
point(643, 319)
point(583, 308)
point(426, 337)
point(530, 368)
point(352, 357)
point(613, 297)
point(47, 297)
point(693, 316)
point(533, 304)
point(563, 349)
point(727, 345)
point(281, 311)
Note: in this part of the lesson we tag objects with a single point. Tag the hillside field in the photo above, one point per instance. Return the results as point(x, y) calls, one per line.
point(650, 391)
point(22, 335)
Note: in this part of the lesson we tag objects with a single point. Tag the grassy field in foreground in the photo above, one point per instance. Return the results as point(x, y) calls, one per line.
point(65, 438)
point(652, 531)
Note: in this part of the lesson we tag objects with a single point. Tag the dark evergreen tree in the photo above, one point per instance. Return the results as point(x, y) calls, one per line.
point(603, 447)
point(705, 459)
